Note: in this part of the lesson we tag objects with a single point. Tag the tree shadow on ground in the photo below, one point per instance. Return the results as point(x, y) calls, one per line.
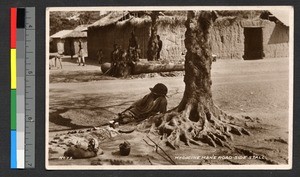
point(57, 119)
point(84, 111)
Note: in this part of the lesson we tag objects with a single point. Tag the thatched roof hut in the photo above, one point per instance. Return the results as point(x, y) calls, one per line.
point(249, 35)
point(235, 35)
point(74, 38)
point(57, 41)
point(110, 18)
point(116, 27)
point(60, 34)
point(78, 32)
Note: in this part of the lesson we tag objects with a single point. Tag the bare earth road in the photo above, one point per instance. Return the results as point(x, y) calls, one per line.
point(259, 89)
point(223, 72)
point(238, 86)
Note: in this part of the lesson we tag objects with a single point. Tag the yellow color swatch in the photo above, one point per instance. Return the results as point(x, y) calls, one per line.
point(13, 68)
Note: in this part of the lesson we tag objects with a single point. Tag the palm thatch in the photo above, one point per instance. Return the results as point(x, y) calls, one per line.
point(110, 18)
point(60, 34)
point(78, 32)
point(248, 14)
point(121, 18)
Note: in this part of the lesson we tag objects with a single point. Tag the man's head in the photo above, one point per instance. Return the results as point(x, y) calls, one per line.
point(159, 90)
point(158, 37)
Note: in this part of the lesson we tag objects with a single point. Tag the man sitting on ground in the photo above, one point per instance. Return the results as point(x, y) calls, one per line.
point(151, 104)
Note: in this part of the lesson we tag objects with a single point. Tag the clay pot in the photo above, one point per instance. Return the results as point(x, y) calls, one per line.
point(125, 148)
point(105, 67)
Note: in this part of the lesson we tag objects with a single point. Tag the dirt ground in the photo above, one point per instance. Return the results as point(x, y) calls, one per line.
point(255, 91)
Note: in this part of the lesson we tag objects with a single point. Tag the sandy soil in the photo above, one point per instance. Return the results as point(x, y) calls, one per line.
point(258, 89)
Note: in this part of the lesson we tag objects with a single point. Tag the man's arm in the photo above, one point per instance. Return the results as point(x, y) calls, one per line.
point(163, 105)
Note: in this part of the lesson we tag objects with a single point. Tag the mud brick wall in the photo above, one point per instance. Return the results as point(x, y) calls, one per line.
point(104, 38)
point(74, 43)
point(57, 45)
point(173, 48)
point(275, 40)
point(275, 37)
point(227, 39)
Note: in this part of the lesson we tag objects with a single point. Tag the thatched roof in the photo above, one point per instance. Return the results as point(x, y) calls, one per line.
point(119, 18)
point(245, 14)
point(79, 31)
point(174, 18)
point(110, 18)
point(60, 34)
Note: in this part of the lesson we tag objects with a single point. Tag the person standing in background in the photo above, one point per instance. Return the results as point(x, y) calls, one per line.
point(81, 55)
point(100, 56)
point(159, 47)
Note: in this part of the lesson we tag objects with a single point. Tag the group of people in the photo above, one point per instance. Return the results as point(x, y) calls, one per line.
point(119, 57)
point(120, 62)
point(152, 103)
point(123, 60)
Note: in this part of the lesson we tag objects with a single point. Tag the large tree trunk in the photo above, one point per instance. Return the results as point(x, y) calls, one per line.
point(153, 42)
point(197, 95)
point(197, 118)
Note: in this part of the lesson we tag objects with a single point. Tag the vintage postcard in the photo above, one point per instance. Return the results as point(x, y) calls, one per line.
point(169, 87)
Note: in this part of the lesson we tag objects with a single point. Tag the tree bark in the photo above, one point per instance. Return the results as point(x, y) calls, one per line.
point(197, 118)
point(153, 42)
point(198, 62)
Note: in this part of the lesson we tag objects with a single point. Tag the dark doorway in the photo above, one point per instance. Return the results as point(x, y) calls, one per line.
point(253, 43)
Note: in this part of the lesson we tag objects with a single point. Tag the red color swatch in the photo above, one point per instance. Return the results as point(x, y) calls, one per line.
point(13, 28)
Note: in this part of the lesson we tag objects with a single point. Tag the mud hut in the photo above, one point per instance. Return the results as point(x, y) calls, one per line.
point(255, 36)
point(73, 40)
point(235, 35)
point(116, 28)
point(57, 41)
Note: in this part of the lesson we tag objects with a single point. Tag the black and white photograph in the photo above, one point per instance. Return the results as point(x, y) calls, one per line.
point(163, 87)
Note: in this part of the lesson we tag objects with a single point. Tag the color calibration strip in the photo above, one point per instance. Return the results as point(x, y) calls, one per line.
point(13, 86)
point(22, 87)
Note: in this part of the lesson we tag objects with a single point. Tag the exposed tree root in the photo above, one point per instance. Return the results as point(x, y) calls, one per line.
point(212, 129)
point(196, 119)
